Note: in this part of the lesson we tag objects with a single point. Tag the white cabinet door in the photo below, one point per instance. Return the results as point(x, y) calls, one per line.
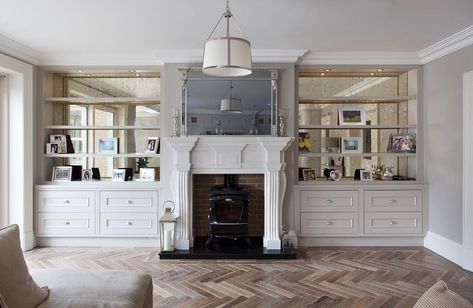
point(393, 223)
point(66, 224)
point(396, 200)
point(135, 201)
point(129, 224)
point(314, 224)
point(65, 201)
point(329, 201)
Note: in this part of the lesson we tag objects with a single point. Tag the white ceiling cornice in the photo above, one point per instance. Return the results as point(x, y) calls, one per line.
point(447, 46)
point(19, 51)
point(361, 58)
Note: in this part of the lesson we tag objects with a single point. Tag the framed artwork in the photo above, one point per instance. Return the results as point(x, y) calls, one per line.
point(61, 142)
point(119, 175)
point(402, 143)
point(62, 173)
point(152, 146)
point(352, 116)
point(147, 174)
point(305, 144)
point(107, 146)
point(365, 175)
point(86, 175)
point(352, 145)
point(309, 175)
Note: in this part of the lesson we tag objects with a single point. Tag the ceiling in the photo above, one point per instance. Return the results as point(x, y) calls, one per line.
point(54, 27)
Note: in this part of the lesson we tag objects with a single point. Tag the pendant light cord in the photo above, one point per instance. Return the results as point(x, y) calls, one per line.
point(227, 14)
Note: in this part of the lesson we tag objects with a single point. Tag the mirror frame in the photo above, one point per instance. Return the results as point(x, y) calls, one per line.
point(274, 78)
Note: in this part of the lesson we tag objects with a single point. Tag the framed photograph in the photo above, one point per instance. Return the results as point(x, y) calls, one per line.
point(352, 145)
point(402, 143)
point(309, 175)
point(352, 116)
point(107, 146)
point(62, 173)
point(119, 175)
point(87, 175)
point(52, 148)
point(304, 144)
point(147, 174)
point(152, 145)
point(61, 142)
point(365, 175)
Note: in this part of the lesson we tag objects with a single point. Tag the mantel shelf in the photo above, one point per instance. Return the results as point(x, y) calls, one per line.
point(356, 126)
point(104, 100)
point(356, 100)
point(355, 154)
point(94, 127)
point(131, 155)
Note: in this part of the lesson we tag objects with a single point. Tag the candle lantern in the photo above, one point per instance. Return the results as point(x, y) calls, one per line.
point(167, 227)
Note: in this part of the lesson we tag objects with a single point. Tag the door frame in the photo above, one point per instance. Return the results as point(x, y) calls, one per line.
point(468, 170)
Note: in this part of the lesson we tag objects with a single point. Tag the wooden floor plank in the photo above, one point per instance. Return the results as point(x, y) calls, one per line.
point(320, 277)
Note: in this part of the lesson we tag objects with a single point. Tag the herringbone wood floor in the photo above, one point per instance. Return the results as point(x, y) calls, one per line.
point(321, 277)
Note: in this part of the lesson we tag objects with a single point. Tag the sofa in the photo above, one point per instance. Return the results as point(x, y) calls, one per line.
point(65, 287)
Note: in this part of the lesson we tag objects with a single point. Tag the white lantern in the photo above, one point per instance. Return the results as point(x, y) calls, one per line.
point(168, 227)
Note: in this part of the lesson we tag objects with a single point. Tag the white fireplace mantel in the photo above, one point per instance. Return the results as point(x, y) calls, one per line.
point(229, 155)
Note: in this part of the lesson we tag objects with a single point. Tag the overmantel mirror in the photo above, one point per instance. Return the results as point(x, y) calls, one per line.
point(229, 106)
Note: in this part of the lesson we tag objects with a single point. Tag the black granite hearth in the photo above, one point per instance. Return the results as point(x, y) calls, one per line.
point(229, 249)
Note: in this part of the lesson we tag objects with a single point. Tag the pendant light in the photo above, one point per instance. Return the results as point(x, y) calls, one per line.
point(231, 104)
point(227, 56)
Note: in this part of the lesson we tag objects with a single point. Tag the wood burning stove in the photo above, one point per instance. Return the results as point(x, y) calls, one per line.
point(228, 212)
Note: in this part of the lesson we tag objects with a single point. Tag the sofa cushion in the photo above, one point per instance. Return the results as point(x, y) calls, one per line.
point(92, 288)
point(439, 296)
point(17, 288)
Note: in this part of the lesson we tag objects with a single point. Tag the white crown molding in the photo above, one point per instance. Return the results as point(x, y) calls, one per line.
point(447, 46)
point(19, 51)
point(361, 58)
point(99, 59)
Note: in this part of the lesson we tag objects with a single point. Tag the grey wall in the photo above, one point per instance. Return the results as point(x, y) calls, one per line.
point(443, 96)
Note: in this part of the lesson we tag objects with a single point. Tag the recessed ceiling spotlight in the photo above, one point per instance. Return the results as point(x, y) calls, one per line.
point(79, 71)
point(322, 74)
point(88, 75)
point(379, 70)
point(132, 71)
point(372, 74)
point(137, 75)
point(327, 70)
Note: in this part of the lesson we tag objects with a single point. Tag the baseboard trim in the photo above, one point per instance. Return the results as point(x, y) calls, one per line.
point(96, 242)
point(449, 249)
point(360, 241)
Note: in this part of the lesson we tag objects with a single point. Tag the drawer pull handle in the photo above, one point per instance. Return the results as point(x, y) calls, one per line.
point(392, 222)
point(130, 202)
point(68, 223)
point(68, 201)
point(328, 223)
point(129, 223)
point(328, 201)
point(392, 201)
point(228, 200)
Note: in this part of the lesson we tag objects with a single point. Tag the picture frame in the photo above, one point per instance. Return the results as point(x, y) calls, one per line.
point(153, 145)
point(62, 174)
point(352, 145)
point(366, 176)
point(61, 141)
point(52, 148)
point(309, 174)
point(87, 175)
point(352, 116)
point(402, 143)
point(147, 174)
point(119, 175)
point(107, 146)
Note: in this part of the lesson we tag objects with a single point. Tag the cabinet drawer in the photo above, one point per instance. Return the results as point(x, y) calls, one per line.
point(65, 201)
point(129, 201)
point(393, 223)
point(129, 224)
point(329, 201)
point(399, 200)
point(329, 223)
point(65, 224)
